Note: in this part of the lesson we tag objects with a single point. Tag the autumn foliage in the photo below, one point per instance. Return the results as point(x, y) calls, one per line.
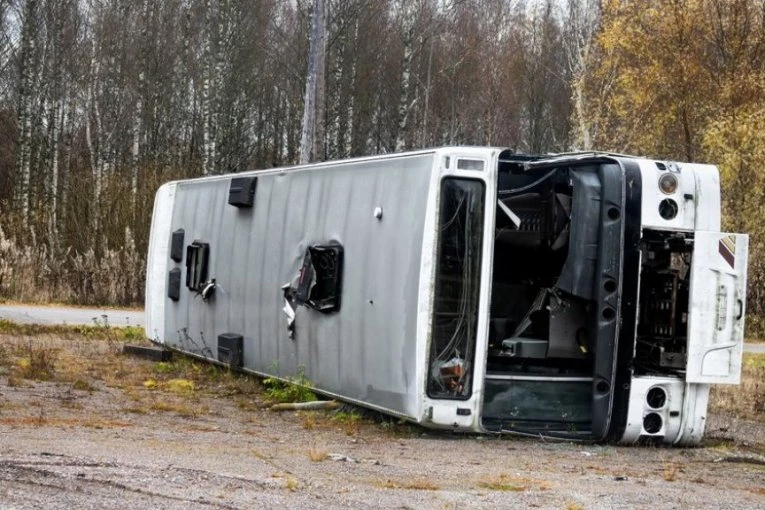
point(685, 79)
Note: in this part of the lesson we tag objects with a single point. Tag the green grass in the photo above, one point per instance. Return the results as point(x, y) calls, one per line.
point(293, 389)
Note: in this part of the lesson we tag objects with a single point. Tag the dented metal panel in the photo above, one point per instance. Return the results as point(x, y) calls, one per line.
point(375, 210)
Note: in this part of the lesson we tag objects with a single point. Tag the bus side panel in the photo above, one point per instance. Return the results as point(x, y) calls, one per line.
point(366, 350)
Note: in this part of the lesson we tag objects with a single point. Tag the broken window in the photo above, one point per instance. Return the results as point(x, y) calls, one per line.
point(457, 284)
point(197, 260)
point(320, 279)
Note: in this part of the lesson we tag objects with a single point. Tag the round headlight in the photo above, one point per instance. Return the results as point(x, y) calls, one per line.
point(668, 183)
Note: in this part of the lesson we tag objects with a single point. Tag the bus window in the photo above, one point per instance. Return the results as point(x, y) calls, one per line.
point(457, 282)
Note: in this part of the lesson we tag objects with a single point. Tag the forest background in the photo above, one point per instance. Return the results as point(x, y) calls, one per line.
point(101, 101)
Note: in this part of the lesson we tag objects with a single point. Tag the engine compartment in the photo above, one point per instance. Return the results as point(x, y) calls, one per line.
point(662, 329)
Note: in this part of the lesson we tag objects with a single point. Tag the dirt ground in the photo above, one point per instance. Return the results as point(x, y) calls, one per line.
point(107, 430)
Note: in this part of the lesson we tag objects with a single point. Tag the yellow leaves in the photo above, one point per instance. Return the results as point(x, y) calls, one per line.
point(661, 62)
point(686, 80)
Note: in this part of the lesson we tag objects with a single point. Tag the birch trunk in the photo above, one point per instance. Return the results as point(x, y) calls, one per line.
point(583, 21)
point(208, 128)
point(57, 127)
point(27, 73)
point(92, 114)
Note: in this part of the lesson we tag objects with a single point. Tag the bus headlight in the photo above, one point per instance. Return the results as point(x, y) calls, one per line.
point(668, 183)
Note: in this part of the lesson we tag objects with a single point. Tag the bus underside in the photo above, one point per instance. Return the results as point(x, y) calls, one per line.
point(555, 300)
point(567, 332)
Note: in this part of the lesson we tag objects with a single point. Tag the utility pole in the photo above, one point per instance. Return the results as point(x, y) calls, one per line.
point(312, 133)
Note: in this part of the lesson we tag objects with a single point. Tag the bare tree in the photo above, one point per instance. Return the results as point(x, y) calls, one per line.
point(28, 69)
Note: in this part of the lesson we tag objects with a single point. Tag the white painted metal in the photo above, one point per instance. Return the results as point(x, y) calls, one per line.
point(683, 415)
point(717, 307)
point(697, 196)
point(157, 261)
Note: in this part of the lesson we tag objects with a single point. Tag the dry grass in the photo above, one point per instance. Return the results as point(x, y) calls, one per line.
point(317, 454)
point(188, 410)
point(91, 360)
point(37, 363)
point(505, 482)
point(574, 506)
point(309, 420)
point(350, 422)
point(670, 471)
point(421, 485)
point(746, 400)
point(43, 420)
point(32, 271)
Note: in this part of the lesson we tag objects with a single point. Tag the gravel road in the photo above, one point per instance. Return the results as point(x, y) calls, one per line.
point(102, 434)
point(108, 446)
point(234, 459)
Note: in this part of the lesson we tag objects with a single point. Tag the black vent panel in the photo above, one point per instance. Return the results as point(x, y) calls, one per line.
point(176, 245)
point(230, 349)
point(241, 192)
point(174, 284)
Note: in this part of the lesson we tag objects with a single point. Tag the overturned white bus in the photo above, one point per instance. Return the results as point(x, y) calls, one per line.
point(587, 296)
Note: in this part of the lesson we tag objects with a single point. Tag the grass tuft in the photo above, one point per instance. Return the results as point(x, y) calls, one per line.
point(294, 389)
point(317, 454)
point(180, 386)
point(38, 364)
point(422, 485)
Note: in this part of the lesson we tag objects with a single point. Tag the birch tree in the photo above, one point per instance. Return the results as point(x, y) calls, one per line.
point(28, 69)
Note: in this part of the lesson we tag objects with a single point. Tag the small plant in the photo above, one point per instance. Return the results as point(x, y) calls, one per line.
point(308, 420)
point(180, 386)
point(349, 420)
point(291, 484)
point(14, 381)
point(317, 455)
point(82, 385)
point(669, 472)
point(294, 389)
point(574, 506)
point(38, 364)
point(164, 367)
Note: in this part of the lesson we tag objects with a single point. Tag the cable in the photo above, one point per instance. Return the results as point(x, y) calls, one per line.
point(528, 186)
